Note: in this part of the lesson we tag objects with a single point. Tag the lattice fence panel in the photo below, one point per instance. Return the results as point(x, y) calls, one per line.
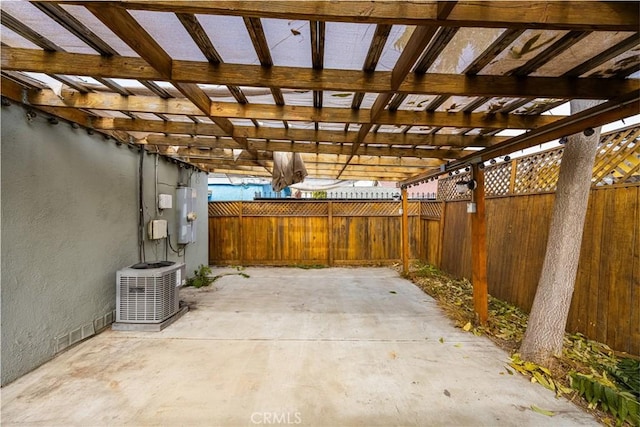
point(538, 172)
point(369, 208)
point(618, 159)
point(447, 187)
point(497, 179)
point(432, 210)
point(224, 208)
point(276, 208)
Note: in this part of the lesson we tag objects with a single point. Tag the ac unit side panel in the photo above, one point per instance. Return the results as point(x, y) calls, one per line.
point(148, 296)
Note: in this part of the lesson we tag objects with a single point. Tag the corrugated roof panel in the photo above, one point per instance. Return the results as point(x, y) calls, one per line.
point(463, 49)
point(99, 29)
point(621, 62)
point(337, 99)
point(242, 122)
point(170, 34)
point(15, 40)
point(300, 97)
point(526, 47)
point(398, 38)
point(289, 42)
point(346, 45)
point(580, 52)
point(416, 102)
point(230, 38)
point(37, 20)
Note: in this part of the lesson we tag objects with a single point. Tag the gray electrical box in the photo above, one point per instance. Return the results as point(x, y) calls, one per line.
point(185, 208)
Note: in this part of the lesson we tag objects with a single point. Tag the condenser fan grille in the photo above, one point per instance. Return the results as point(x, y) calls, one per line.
point(148, 296)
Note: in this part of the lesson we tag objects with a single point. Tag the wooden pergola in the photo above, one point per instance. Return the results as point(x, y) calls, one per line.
point(385, 90)
point(362, 89)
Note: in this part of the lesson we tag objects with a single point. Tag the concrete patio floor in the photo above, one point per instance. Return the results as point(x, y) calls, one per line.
point(328, 347)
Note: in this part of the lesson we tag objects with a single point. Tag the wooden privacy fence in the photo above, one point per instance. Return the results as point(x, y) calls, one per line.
point(606, 300)
point(293, 232)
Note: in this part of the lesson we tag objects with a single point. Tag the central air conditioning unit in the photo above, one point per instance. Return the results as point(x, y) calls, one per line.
point(148, 293)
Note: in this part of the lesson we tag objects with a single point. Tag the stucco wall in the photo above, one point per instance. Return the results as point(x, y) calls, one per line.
point(69, 222)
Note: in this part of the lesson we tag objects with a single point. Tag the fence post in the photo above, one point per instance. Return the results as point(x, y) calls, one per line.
point(240, 236)
point(405, 232)
point(441, 235)
point(479, 247)
point(330, 232)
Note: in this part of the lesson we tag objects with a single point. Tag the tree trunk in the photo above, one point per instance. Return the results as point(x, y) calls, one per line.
point(548, 318)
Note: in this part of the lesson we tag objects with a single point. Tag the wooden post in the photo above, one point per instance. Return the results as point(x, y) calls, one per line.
point(441, 226)
point(330, 231)
point(405, 232)
point(241, 236)
point(479, 248)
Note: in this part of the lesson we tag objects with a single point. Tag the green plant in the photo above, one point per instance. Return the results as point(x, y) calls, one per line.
point(601, 392)
point(319, 194)
point(626, 374)
point(309, 266)
point(201, 277)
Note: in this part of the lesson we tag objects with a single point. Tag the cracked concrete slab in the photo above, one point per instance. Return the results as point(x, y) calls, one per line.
point(287, 346)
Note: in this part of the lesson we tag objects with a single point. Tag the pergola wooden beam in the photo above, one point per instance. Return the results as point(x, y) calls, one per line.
point(599, 115)
point(255, 171)
point(394, 171)
point(302, 147)
point(291, 134)
point(418, 41)
point(332, 159)
point(604, 16)
point(131, 32)
point(199, 35)
point(182, 106)
point(298, 78)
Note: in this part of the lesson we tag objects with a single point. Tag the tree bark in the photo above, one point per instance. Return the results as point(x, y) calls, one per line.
point(543, 338)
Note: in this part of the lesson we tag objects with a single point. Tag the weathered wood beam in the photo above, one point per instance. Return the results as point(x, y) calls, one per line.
point(599, 115)
point(619, 48)
point(127, 28)
point(418, 41)
point(77, 28)
point(605, 16)
point(18, 59)
point(198, 34)
point(253, 171)
point(229, 163)
point(556, 48)
point(373, 56)
point(23, 80)
point(369, 161)
point(317, 30)
point(412, 51)
point(131, 32)
point(181, 106)
point(301, 147)
point(23, 30)
point(114, 86)
point(259, 41)
point(291, 134)
point(490, 53)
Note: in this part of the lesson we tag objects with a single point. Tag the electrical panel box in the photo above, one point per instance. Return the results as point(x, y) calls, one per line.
point(157, 229)
point(185, 207)
point(165, 201)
